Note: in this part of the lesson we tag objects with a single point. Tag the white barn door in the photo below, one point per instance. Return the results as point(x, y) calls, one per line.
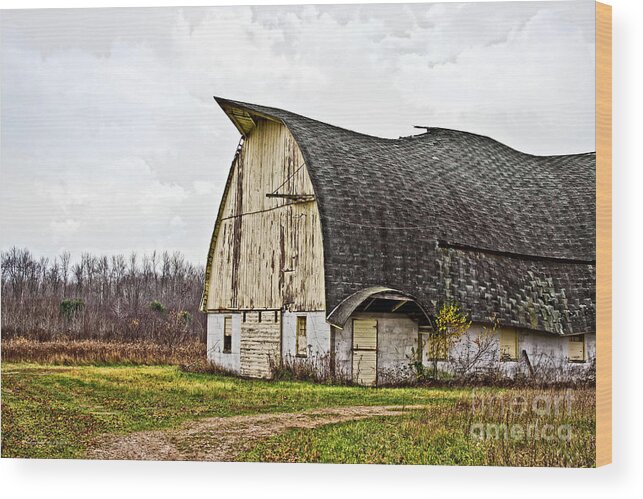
point(365, 352)
point(260, 343)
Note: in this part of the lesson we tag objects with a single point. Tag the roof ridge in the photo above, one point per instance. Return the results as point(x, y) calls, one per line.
point(276, 110)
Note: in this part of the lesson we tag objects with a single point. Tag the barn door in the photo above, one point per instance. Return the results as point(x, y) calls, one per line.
point(260, 343)
point(365, 352)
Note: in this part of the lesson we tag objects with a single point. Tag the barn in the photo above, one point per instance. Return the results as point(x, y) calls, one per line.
point(337, 249)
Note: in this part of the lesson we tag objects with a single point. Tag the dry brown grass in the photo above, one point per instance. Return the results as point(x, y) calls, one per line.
point(92, 352)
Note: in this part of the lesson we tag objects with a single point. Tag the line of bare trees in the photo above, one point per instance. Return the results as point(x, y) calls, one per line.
point(149, 297)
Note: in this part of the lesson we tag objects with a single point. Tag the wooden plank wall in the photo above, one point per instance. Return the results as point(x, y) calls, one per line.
point(269, 252)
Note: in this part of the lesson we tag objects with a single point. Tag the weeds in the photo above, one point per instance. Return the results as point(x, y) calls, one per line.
point(316, 369)
point(203, 366)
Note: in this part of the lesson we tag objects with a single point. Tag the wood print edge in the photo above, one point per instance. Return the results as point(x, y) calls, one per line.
point(603, 234)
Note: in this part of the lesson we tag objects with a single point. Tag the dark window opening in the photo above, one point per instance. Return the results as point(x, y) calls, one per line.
point(227, 335)
point(302, 337)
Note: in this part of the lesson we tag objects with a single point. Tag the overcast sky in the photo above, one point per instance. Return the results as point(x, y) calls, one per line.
point(111, 141)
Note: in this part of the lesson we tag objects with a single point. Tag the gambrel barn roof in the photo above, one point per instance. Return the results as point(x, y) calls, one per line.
point(450, 215)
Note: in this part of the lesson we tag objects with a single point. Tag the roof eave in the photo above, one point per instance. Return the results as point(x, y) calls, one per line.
point(243, 118)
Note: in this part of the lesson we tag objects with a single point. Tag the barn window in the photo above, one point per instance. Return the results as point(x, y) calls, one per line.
point(227, 335)
point(244, 316)
point(302, 337)
point(259, 319)
point(508, 344)
point(576, 348)
point(276, 316)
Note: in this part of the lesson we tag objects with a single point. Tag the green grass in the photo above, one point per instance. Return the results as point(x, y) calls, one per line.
point(443, 436)
point(412, 439)
point(57, 412)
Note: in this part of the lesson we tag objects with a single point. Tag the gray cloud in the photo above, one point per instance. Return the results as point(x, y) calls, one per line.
point(111, 140)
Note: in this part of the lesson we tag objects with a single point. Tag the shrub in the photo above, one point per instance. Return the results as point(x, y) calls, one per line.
point(157, 306)
point(185, 317)
point(70, 308)
point(451, 323)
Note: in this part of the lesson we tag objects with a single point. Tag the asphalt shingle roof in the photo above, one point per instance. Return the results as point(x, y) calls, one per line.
point(450, 215)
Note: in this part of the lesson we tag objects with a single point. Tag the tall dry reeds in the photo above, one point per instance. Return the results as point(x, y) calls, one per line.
point(94, 352)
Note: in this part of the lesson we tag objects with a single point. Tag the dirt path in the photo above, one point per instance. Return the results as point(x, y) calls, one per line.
point(222, 439)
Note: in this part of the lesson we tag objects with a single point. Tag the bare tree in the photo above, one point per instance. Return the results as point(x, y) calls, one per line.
point(101, 297)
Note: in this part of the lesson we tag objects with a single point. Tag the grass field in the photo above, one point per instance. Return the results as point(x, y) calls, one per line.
point(441, 435)
point(60, 412)
point(52, 411)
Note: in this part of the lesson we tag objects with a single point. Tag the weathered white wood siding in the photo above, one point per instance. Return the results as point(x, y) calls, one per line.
point(260, 343)
point(268, 252)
